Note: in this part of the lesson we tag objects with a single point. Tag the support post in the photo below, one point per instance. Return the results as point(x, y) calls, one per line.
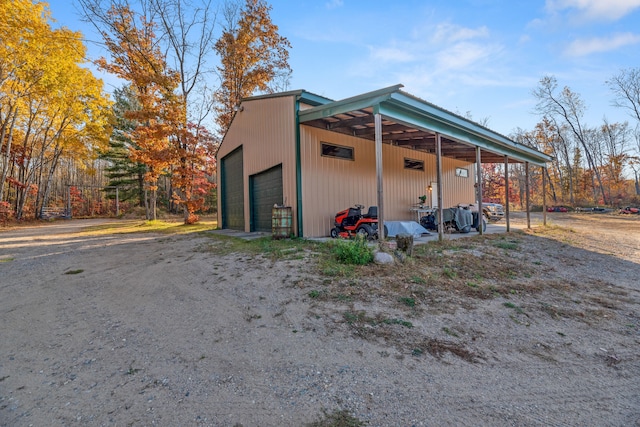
point(526, 190)
point(506, 192)
point(544, 196)
point(378, 132)
point(117, 203)
point(479, 189)
point(439, 185)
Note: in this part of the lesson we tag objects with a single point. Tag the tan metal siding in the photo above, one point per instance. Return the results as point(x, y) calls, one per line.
point(330, 185)
point(266, 130)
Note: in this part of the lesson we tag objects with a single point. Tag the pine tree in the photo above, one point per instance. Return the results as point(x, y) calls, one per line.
point(123, 172)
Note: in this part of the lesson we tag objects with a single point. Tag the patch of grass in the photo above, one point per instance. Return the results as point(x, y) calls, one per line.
point(508, 246)
point(518, 309)
point(418, 280)
point(398, 322)
point(332, 269)
point(6, 259)
point(450, 332)
point(132, 370)
point(343, 297)
point(408, 301)
point(74, 271)
point(337, 418)
point(353, 252)
point(449, 273)
point(354, 317)
point(275, 249)
point(157, 226)
point(314, 294)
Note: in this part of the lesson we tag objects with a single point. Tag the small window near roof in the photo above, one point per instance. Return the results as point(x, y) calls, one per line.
point(337, 151)
point(416, 165)
point(462, 172)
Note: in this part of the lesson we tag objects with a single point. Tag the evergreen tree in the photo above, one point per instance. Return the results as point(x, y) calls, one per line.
point(123, 172)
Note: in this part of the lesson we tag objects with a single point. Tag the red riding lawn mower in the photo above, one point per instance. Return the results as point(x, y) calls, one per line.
point(352, 221)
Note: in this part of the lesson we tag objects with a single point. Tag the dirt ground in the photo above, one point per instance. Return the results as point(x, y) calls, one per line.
point(525, 329)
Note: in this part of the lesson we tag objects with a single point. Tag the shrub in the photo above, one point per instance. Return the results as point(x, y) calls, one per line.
point(355, 251)
point(5, 212)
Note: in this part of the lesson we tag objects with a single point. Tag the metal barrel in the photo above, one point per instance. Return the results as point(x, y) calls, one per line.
point(281, 222)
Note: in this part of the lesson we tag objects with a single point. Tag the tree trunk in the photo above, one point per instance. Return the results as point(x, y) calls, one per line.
point(7, 157)
point(47, 186)
point(551, 186)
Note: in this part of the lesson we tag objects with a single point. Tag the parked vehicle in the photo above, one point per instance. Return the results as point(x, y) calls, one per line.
point(493, 212)
point(592, 209)
point(557, 209)
point(630, 210)
point(460, 219)
point(352, 221)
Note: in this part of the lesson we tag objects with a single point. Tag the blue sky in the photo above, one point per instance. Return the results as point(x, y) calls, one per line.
point(484, 57)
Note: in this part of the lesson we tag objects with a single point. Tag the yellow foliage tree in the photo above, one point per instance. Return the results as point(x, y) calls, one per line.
point(52, 107)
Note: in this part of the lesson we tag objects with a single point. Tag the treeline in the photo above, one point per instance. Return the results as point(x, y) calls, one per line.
point(64, 142)
point(592, 165)
point(53, 112)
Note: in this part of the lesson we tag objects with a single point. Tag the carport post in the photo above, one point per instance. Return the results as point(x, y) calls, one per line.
point(479, 189)
point(526, 190)
point(544, 196)
point(439, 186)
point(506, 192)
point(378, 131)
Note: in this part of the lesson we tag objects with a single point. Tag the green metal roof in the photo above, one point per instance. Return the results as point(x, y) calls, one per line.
point(412, 122)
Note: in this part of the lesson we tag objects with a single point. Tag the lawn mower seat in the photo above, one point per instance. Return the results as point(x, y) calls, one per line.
point(372, 212)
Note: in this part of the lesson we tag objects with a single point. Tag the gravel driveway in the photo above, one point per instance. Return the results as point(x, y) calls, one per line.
point(149, 329)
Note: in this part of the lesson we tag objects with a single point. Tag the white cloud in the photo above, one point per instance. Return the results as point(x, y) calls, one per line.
point(333, 4)
point(610, 10)
point(450, 33)
point(392, 54)
point(583, 47)
point(461, 56)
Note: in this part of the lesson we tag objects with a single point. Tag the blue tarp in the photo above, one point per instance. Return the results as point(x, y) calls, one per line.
point(408, 227)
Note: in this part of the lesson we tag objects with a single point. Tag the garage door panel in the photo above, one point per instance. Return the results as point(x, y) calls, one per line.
point(233, 191)
point(266, 191)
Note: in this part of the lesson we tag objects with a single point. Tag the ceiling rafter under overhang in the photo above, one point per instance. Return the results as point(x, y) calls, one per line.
point(360, 123)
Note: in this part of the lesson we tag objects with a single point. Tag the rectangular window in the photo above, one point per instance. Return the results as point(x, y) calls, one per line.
point(416, 165)
point(337, 151)
point(462, 172)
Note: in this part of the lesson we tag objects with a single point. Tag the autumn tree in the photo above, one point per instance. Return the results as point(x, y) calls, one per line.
point(52, 107)
point(568, 107)
point(136, 58)
point(196, 153)
point(253, 57)
point(185, 38)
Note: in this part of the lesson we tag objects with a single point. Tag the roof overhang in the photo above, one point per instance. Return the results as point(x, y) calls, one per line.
point(413, 123)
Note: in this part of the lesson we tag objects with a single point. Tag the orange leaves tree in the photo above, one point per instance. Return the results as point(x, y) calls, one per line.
point(162, 138)
point(253, 57)
point(196, 152)
point(137, 58)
